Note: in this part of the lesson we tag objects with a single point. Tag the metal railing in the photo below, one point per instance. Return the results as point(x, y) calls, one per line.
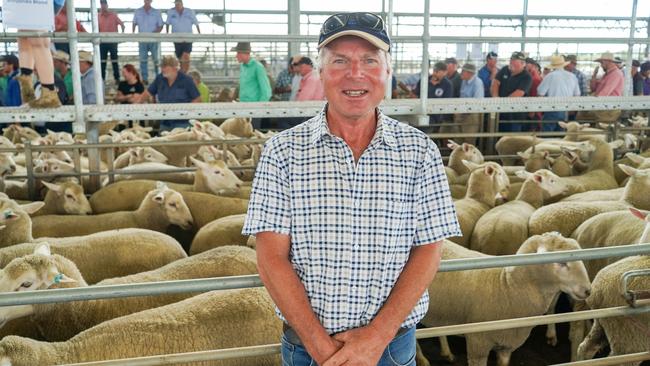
point(201, 285)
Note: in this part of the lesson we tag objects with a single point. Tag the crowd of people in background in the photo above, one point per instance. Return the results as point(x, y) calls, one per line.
point(300, 81)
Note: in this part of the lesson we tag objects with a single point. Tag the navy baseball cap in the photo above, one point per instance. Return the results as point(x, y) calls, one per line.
point(368, 26)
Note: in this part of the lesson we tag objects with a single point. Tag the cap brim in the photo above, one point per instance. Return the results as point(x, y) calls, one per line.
point(368, 37)
point(604, 59)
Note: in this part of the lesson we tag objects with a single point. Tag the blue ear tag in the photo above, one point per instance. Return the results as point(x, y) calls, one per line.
point(58, 278)
point(7, 214)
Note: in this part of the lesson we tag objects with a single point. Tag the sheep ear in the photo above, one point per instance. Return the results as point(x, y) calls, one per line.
point(538, 178)
point(563, 124)
point(196, 124)
point(550, 160)
point(452, 144)
point(636, 159)
point(159, 197)
point(627, 169)
point(470, 165)
point(523, 155)
point(161, 185)
point(616, 144)
point(604, 126)
point(198, 163)
point(466, 147)
point(523, 174)
point(61, 278)
point(638, 213)
point(585, 125)
point(489, 170)
point(52, 187)
point(43, 249)
point(545, 154)
point(30, 208)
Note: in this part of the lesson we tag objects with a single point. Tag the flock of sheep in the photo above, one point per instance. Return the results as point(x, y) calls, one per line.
point(568, 194)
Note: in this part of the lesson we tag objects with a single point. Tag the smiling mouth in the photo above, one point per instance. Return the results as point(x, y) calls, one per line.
point(355, 93)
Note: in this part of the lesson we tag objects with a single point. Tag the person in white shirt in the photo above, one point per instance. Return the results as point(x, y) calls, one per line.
point(558, 83)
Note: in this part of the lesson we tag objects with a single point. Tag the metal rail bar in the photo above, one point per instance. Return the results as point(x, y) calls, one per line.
point(396, 107)
point(222, 283)
point(272, 349)
point(611, 360)
point(231, 38)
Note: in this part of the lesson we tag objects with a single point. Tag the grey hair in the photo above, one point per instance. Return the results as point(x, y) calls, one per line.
point(322, 54)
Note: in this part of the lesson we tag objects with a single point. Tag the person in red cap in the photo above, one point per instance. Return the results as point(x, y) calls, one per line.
point(349, 210)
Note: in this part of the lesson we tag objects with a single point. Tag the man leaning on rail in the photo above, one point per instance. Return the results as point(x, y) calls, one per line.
point(350, 209)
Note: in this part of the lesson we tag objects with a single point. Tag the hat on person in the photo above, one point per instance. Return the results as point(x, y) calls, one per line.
point(571, 58)
point(368, 26)
point(606, 56)
point(491, 55)
point(86, 56)
point(169, 60)
point(304, 61)
point(636, 63)
point(61, 56)
point(618, 60)
point(645, 66)
point(518, 56)
point(451, 60)
point(440, 66)
point(242, 47)
point(178, 1)
point(103, 1)
point(557, 62)
point(469, 68)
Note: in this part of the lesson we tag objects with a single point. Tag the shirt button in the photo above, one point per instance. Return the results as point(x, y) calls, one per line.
point(357, 203)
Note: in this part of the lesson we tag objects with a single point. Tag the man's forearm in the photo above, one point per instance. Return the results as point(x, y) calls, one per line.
point(415, 278)
point(290, 296)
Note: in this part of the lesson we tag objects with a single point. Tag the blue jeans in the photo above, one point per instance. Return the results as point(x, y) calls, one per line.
point(170, 124)
point(145, 48)
point(553, 116)
point(400, 352)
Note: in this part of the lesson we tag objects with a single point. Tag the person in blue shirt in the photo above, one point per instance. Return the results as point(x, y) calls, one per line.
point(181, 20)
point(171, 86)
point(439, 87)
point(11, 97)
point(488, 72)
point(471, 87)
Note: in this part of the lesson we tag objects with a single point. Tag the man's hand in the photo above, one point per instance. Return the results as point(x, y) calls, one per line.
point(325, 351)
point(361, 346)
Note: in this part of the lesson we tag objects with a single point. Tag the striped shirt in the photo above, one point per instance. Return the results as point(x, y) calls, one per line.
point(352, 225)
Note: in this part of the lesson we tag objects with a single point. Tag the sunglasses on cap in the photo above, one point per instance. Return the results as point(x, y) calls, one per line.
point(366, 22)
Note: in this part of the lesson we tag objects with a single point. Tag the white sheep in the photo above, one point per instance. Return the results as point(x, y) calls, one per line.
point(127, 196)
point(214, 177)
point(485, 182)
point(536, 160)
point(209, 128)
point(127, 173)
point(15, 223)
point(625, 335)
point(511, 145)
point(66, 198)
point(138, 155)
point(619, 175)
point(566, 216)
point(238, 126)
point(458, 172)
point(576, 131)
point(214, 320)
point(61, 321)
point(220, 232)
point(504, 228)
point(177, 155)
point(159, 209)
point(502, 293)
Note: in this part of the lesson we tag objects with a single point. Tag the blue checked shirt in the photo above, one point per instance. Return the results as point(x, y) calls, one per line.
point(352, 226)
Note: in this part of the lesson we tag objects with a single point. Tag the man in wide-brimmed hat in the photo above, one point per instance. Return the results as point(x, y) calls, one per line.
point(254, 85)
point(471, 86)
point(558, 83)
point(610, 85)
point(572, 67)
point(87, 77)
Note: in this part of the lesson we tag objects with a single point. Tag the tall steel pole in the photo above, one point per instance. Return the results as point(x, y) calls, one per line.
point(423, 118)
point(627, 90)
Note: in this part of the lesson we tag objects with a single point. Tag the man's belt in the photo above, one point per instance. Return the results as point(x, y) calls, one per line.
point(292, 336)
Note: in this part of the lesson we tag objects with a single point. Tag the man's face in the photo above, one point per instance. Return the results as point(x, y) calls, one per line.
point(147, 3)
point(571, 66)
point(353, 74)
point(451, 68)
point(438, 75)
point(531, 68)
point(178, 6)
point(466, 75)
point(59, 65)
point(84, 66)
point(7, 68)
point(517, 66)
point(304, 69)
point(104, 6)
point(169, 72)
point(606, 64)
point(491, 62)
point(243, 57)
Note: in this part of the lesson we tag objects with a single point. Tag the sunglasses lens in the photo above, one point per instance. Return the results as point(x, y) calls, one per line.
point(370, 21)
point(334, 22)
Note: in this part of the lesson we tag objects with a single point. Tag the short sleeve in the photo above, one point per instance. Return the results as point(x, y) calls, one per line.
point(269, 205)
point(192, 90)
point(436, 213)
point(500, 74)
point(153, 87)
point(194, 20)
point(525, 84)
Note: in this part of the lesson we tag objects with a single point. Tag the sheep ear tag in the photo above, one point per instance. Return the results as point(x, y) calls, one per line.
point(60, 278)
point(9, 215)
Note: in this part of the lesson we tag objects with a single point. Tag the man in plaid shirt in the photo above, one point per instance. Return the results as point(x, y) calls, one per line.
point(349, 210)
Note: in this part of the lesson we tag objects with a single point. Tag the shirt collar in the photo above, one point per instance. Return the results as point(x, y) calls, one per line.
point(384, 131)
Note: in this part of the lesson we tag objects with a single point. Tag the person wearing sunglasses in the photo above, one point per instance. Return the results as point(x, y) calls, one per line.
point(349, 210)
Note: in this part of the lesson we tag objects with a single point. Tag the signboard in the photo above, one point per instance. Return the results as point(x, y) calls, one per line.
point(28, 14)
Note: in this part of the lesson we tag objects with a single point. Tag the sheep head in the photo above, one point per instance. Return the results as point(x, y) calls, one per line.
point(173, 206)
point(7, 165)
point(217, 176)
point(571, 277)
point(70, 198)
point(32, 272)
